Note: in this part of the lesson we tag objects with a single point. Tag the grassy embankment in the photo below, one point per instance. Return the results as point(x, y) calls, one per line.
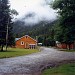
point(66, 50)
point(14, 52)
point(66, 69)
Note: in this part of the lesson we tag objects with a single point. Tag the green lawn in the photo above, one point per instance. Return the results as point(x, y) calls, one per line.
point(14, 52)
point(66, 50)
point(67, 69)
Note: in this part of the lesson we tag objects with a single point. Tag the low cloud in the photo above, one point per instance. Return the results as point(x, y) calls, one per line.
point(33, 11)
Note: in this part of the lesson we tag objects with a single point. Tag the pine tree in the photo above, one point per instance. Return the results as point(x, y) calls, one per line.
point(5, 24)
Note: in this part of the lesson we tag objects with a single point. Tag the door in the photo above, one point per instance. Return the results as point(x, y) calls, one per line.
point(26, 46)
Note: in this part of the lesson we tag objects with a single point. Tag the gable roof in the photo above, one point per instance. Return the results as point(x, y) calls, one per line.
point(16, 39)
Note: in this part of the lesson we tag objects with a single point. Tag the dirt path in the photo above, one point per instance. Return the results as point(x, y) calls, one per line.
point(34, 63)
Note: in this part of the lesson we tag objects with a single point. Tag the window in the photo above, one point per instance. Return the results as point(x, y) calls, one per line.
point(32, 46)
point(22, 43)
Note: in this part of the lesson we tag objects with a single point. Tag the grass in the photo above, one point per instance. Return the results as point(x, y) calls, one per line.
point(66, 50)
point(14, 52)
point(66, 69)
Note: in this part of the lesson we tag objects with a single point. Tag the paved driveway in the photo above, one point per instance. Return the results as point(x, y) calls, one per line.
point(33, 63)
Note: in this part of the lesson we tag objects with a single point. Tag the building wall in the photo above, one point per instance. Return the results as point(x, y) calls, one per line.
point(27, 40)
point(64, 46)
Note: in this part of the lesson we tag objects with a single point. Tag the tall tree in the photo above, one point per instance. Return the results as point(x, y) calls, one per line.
point(5, 23)
point(66, 29)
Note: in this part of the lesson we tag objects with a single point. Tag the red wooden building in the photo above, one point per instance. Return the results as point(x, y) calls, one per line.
point(26, 42)
point(63, 45)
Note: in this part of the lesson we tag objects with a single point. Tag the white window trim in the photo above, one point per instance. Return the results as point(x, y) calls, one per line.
point(22, 42)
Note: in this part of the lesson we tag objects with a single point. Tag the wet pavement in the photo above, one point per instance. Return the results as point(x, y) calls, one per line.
point(34, 63)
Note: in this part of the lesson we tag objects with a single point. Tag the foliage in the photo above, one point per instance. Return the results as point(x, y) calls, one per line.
point(5, 20)
point(13, 11)
point(66, 26)
point(67, 69)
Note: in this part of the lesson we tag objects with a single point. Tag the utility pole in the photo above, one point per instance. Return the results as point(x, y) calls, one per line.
point(7, 35)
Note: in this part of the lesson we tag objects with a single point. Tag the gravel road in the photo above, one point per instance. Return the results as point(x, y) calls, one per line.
point(33, 64)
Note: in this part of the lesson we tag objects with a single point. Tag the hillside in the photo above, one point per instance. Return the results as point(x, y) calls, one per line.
point(43, 28)
point(44, 31)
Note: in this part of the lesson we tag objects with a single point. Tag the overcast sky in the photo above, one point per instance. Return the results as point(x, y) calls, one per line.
point(33, 11)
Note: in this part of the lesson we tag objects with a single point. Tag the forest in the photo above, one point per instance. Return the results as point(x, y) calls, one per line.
point(47, 32)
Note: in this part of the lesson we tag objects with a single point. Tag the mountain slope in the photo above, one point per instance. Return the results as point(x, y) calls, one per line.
point(40, 29)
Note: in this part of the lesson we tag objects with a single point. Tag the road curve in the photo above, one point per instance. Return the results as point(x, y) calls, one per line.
point(34, 63)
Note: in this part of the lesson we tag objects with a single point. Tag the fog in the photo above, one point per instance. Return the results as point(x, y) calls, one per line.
point(33, 11)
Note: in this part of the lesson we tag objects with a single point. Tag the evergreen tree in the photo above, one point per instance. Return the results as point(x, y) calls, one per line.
point(5, 24)
point(66, 30)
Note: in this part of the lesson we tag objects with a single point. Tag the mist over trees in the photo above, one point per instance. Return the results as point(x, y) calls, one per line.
point(48, 32)
point(43, 30)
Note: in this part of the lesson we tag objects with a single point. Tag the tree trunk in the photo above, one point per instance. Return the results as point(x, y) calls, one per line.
point(69, 46)
point(74, 45)
point(66, 46)
point(1, 48)
point(6, 48)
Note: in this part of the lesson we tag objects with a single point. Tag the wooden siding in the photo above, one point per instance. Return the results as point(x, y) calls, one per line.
point(64, 46)
point(27, 42)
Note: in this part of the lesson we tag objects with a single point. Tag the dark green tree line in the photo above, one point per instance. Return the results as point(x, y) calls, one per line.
point(66, 25)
